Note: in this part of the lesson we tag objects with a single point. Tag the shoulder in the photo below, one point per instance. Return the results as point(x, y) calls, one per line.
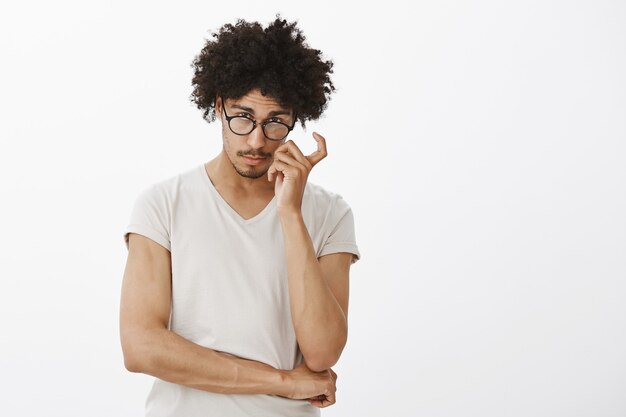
point(330, 221)
point(318, 195)
point(167, 188)
point(319, 198)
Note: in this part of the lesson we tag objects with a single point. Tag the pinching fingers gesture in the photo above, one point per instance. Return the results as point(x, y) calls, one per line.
point(291, 169)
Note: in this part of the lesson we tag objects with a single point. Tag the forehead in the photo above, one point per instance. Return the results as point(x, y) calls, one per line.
point(255, 102)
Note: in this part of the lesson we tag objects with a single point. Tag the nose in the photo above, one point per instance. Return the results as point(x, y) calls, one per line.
point(256, 138)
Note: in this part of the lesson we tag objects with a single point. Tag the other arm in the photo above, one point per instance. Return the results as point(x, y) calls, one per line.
point(149, 347)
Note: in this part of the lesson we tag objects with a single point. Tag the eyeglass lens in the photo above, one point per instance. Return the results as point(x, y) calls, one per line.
point(243, 126)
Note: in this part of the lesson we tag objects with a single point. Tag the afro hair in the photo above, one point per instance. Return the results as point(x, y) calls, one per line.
point(276, 60)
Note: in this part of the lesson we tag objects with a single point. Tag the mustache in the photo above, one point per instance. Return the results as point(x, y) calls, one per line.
point(254, 155)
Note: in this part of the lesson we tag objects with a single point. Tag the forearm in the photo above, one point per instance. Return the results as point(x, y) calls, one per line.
point(170, 357)
point(319, 322)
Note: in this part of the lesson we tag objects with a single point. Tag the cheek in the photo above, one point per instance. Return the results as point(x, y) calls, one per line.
point(227, 141)
point(275, 147)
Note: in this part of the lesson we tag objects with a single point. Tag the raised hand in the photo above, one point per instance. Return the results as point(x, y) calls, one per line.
point(291, 169)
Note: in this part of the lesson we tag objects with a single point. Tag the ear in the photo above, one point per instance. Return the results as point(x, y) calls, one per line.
point(218, 106)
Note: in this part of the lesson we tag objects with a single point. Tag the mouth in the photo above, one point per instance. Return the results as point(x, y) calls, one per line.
point(253, 160)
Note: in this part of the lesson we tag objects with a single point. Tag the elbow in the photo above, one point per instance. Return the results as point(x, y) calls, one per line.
point(320, 364)
point(138, 348)
point(324, 355)
point(132, 363)
point(134, 357)
point(321, 361)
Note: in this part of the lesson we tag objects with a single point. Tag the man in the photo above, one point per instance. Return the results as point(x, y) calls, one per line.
point(235, 292)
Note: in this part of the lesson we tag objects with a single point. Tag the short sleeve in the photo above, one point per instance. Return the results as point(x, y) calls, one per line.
point(341, 236)
point(149, 217)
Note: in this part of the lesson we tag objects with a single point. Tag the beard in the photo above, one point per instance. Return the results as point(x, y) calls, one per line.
point(251, 172)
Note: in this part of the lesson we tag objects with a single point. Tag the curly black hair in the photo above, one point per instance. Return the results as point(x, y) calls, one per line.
point(276, 60)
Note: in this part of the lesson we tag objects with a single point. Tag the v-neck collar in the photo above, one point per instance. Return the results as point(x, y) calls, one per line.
point(263, 213)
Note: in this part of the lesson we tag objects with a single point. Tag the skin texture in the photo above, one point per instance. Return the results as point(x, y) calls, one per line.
point(318, 288)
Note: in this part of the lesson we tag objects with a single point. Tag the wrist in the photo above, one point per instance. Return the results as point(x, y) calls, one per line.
point(285, 385)
point(289, 214)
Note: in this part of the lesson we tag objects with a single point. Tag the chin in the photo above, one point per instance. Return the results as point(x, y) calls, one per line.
point(251, 173)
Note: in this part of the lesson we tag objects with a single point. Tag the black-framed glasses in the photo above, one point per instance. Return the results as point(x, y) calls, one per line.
point(244, 125)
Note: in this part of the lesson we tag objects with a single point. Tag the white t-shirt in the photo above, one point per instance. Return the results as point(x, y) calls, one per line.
point(229, 284)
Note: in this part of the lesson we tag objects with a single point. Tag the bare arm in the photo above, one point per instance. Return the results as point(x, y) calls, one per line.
point(150, 348)
point(318, 291)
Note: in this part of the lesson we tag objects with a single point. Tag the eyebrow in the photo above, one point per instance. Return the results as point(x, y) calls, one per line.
point(251, 111)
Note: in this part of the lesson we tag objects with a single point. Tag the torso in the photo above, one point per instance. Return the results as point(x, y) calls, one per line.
point(246, 207)
point(230, 288)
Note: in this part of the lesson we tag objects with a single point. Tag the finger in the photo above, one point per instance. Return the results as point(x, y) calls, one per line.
point(270, 172)
point(317, 403)
point(287, 170)
point(291, 147)
point(330, 399)
point(317, 398)
point(320, 401)
point(283, 147)
point(321, 151)
point(288, 159)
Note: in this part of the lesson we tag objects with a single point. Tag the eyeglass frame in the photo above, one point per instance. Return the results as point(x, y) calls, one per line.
point(254, 124)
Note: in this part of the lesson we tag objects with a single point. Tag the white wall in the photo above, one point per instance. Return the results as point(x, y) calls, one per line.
point(481, 145)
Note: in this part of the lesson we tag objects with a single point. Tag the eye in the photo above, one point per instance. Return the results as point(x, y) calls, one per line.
point(275, 119)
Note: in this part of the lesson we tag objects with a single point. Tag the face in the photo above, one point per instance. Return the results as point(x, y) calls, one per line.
point(253, 145)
